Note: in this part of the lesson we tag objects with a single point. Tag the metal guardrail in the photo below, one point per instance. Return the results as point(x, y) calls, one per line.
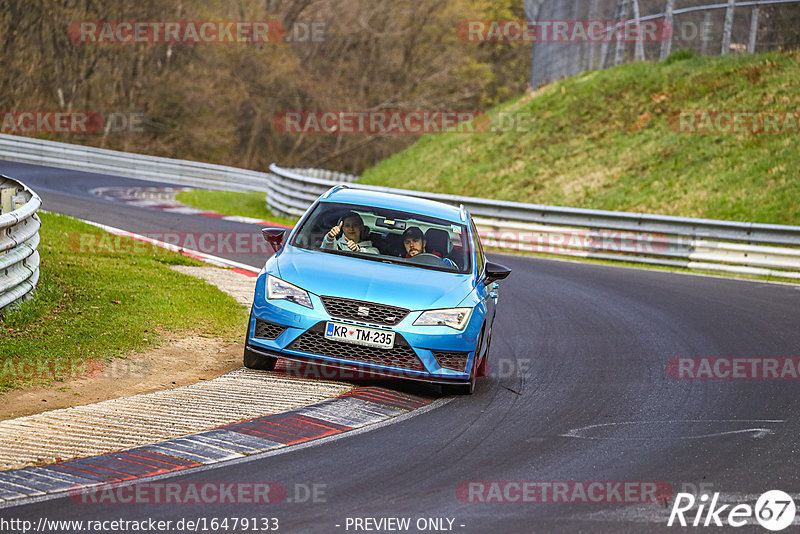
point(751, 248)
point(130, 165)
point(19, 241)
point(701, 244)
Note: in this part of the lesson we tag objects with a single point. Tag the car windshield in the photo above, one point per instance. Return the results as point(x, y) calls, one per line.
point(386, 235)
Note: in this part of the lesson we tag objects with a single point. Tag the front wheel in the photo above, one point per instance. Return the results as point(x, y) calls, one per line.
point(462, 389)
point(483, 368)
point(469, 387)
point(254, 360)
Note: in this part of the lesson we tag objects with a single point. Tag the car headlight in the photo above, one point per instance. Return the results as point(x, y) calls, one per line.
point(278, 289)
point(454, 318)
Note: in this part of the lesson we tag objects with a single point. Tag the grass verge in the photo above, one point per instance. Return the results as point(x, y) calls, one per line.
point(102, 296)
point(232, 203)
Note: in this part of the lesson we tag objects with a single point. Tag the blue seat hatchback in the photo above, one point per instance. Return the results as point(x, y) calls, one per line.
point(379, 284)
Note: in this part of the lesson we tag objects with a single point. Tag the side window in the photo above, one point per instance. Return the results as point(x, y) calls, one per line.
point(481, 258)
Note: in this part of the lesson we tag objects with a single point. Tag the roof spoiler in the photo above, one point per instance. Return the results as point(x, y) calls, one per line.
point(335, 188)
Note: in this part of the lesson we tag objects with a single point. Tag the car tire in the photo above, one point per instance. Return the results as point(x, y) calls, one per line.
point(469, 387)
point(462, 389)
point(483, 368)
point(253, 360)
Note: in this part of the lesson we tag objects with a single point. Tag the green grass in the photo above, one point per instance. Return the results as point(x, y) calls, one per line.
point(232, 203)
point(102, 296)
point(603, 140)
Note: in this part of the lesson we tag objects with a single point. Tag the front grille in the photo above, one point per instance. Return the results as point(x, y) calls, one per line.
point(457, 361)
point(367, 312)
point(401, 355)
point(267, 330)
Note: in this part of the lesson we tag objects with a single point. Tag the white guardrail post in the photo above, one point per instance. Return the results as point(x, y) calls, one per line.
point(19, 241)
point(704, 244)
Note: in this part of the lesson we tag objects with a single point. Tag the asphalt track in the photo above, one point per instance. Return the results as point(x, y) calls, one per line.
point(578, 391)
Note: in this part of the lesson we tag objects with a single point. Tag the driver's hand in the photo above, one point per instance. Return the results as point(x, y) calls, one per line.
point(336, 230)
point(352, 245)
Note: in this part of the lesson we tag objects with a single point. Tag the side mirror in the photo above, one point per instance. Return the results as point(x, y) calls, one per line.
point(495, 271)
point(274, 236)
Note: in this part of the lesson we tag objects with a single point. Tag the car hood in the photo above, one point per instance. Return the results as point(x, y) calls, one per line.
point(372, 281)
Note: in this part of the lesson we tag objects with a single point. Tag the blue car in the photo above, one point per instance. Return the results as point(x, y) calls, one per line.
point(380, 284)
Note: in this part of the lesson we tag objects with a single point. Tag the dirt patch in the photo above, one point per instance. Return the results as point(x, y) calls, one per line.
point(175, 363)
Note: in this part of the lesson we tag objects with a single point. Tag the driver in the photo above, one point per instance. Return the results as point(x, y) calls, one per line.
point(354, 230)
point(414, 243)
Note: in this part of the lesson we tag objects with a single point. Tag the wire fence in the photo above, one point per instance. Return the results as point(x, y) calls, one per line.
point(724, 27)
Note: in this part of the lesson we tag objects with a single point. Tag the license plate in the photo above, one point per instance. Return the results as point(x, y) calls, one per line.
point(359, 335)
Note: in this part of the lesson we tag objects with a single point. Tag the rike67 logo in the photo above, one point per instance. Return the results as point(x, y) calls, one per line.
point(774, 510)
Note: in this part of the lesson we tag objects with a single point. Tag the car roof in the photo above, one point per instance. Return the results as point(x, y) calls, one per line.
point(394, 201)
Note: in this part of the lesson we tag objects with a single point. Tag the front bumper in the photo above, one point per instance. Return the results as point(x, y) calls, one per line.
point(341, 370)
point(434, 354)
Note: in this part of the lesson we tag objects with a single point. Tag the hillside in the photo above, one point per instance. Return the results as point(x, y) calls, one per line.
point(214, 99)
point(613, 140)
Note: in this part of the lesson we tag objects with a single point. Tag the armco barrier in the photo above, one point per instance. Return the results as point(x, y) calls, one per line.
point(19, 240)
point(702, 244)
point(143, 167)
point(750, 248)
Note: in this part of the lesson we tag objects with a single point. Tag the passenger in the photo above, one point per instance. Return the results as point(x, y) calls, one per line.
point(354, 238)
point(414, 243)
